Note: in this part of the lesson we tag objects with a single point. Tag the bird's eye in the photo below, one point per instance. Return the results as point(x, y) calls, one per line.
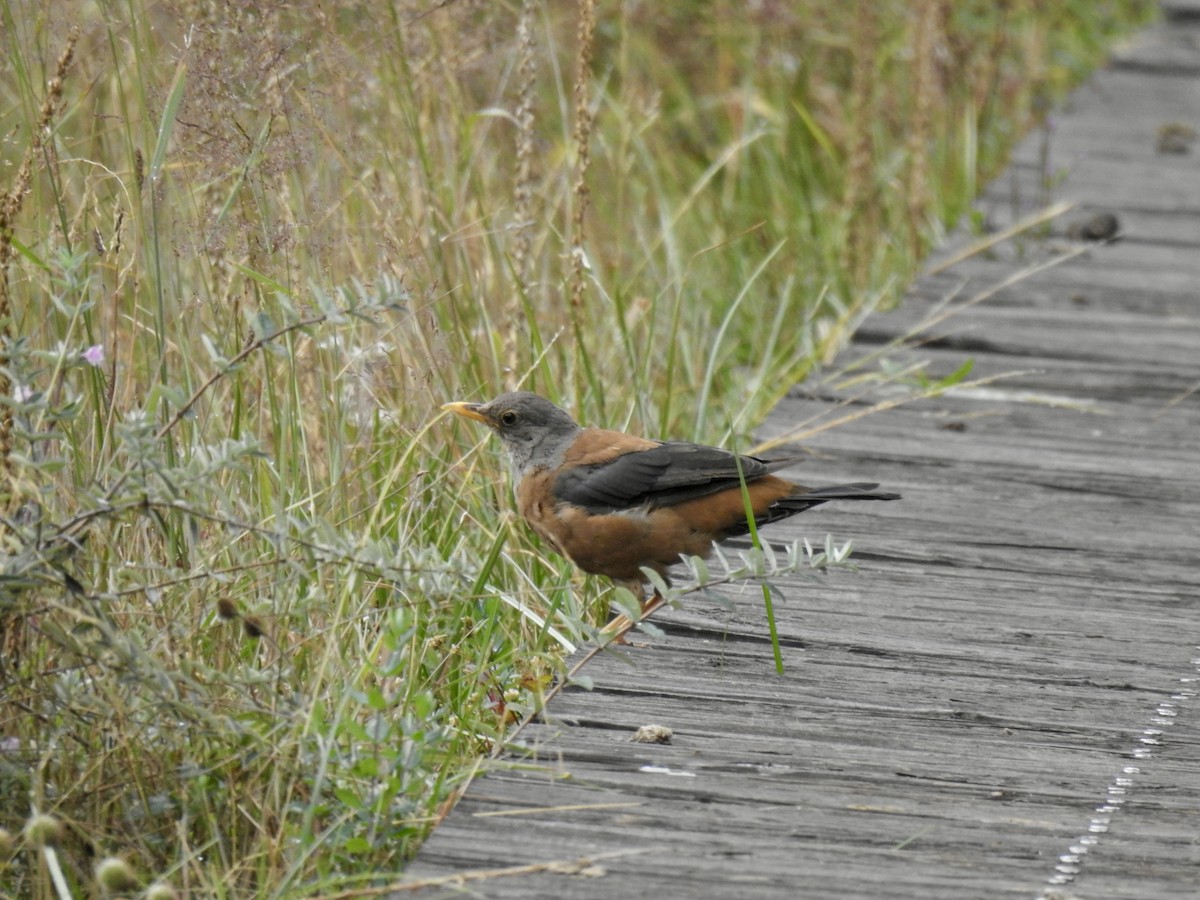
point(508, 417)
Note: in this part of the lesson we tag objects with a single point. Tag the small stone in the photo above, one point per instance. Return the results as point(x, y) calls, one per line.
point(1175, 138)
point(1103, 226)
point(653, 734)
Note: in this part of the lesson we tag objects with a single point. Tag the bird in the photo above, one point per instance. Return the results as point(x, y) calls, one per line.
point(615, 504)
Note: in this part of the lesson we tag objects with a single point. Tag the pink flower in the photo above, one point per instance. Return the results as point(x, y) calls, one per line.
point(94, 355)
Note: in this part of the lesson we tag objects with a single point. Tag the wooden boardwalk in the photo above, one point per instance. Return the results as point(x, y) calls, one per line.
point(1004, 701)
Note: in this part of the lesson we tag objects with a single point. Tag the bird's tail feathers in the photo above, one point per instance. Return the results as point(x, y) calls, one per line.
point(858, 491)
point(803, 498)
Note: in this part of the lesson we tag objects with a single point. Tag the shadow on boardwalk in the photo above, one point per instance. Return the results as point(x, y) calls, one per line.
point(1003, 701)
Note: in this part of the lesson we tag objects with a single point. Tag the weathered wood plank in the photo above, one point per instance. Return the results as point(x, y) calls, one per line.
point(1169, 47)
point(1003, 701)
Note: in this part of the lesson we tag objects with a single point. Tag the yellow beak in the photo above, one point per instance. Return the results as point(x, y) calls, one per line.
point(469, 410)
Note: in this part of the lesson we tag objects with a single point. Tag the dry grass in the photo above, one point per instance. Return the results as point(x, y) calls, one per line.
point(261, 608)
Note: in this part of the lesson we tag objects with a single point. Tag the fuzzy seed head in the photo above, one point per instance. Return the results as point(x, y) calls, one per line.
point(161, 890)
point(115, 876)
point(42, 830)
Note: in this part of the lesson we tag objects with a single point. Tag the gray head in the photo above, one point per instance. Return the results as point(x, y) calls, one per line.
point(534, 431)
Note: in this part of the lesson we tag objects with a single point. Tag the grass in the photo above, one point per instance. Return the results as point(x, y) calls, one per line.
point(262, 609)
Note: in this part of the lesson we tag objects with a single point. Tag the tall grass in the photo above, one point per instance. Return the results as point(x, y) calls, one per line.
point(261, 608)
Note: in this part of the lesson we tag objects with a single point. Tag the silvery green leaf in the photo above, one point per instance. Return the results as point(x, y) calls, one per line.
point(264, 329)
point(262, 323)
point(624, 599)
point(330, 309)
point(651, 629)
point(722, 558)
point(656, 580)
point(770, 561)
point(583, 681)
point(213, 353)
point(754, 560)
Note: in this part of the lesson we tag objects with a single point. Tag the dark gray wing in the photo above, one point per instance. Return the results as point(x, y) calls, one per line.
point(666, 475)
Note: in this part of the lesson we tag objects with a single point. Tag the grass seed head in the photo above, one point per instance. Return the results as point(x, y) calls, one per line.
point(161, 890)
point(43, 830)
point(253, 627)
point(115, 876)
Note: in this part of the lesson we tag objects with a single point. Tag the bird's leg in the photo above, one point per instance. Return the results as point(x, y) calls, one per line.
point(651, 603)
